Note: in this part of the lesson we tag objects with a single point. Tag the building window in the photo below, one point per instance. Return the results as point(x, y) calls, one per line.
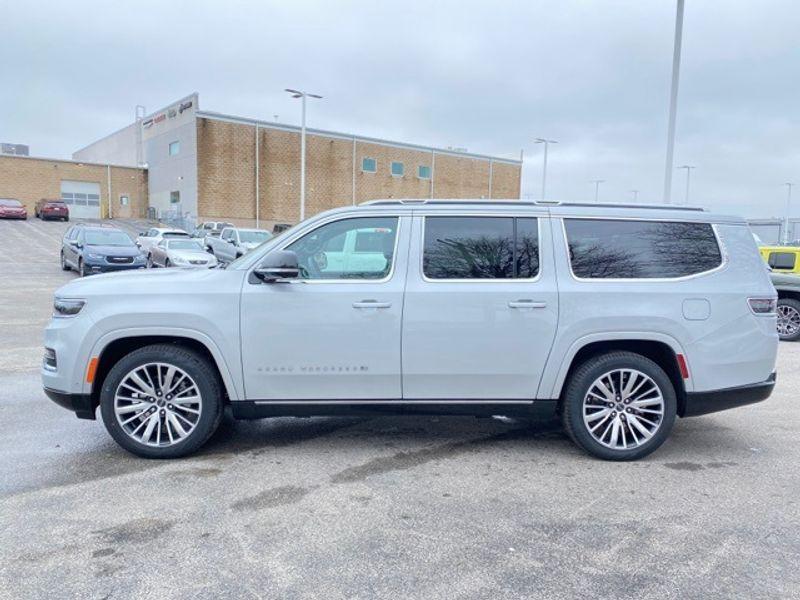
point(424, 172)
point(398, 169)
point(174, 148)
point(123, 201)
point(369, 165)
point(174, 197)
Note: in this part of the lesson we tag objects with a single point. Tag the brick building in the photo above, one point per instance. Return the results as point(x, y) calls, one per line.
point(209, 166)
point(90, 189)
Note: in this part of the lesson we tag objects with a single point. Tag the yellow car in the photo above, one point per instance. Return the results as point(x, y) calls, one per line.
point(785, 259)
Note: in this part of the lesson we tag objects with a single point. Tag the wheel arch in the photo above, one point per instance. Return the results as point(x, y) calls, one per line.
point(660, 349)
point(118, 344)
point(792, 294)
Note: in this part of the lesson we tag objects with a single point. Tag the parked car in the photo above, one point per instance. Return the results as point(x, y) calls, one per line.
point(788, 287)
point(51, 209)
point(151, 237)
point(90, 250)
point(180, 252)
point(12, 209)
point(212, 228)
point(234, 242)
point(782, 259)
point(616, 318)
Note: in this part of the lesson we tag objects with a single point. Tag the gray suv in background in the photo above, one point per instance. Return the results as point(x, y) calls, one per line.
point(616, 318)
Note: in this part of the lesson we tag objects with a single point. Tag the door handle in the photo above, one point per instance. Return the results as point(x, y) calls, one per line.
point(526, 304)
point(371, 304)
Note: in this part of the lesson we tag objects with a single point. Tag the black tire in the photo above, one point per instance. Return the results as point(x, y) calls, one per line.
point(64, 265)
point(149, 263)
point(791, 305)
point(66, 219)
point(197, 367)
point(577, 389)
point(81, 269)
point(167, 263)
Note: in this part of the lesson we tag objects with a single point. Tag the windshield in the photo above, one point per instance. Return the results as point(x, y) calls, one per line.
point(175, 234)
point(254, 237)
point(107, 238)
point(14, 203)
point(184, 245)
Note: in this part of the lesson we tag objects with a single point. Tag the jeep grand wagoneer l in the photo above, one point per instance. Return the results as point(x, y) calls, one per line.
point(618, 318)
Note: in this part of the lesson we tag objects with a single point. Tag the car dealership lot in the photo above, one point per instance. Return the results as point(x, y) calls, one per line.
point(384, 507)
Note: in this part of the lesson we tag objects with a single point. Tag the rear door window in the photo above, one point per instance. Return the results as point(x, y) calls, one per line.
point(629, 249)
point(782, 260)
point(481, 248)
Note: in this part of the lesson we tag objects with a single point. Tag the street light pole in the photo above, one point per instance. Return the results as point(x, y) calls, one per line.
point(789, 187)
point(597, 183)
point(673, 102)
point(688, 178)
point(635, 196)
point(302, 96)
point(544, 164)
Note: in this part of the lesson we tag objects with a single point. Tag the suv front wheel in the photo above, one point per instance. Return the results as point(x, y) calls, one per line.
point(619, 406)
point(161, 401)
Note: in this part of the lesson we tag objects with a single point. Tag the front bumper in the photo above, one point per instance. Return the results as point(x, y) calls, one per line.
point(111, 268)
point(81, 404)
point(702, 403)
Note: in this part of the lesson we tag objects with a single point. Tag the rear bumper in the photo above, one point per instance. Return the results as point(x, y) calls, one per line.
point(702, 403)
point(80, 404)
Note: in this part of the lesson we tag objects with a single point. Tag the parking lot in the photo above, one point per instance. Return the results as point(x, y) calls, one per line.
point(384, 507)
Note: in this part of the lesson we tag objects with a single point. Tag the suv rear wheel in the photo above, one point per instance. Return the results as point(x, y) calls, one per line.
point(161, 401)
point(619, 406)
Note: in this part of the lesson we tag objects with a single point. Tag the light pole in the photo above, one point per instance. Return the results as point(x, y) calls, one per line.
point(303, 96)
point(673, 102)
point(688, 179)
point(597, 183)
point(544, 164)
point(635, 196)
point(789, 187)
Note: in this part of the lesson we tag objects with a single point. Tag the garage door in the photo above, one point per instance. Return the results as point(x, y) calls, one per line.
point(82, 197)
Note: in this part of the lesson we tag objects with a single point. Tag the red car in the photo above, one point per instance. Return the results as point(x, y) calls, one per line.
point(51, 209)
point(12, 209)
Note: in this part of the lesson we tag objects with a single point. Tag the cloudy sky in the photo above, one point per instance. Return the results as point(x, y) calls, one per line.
point(488, 76)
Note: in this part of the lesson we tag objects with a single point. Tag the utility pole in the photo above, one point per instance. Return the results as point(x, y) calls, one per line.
point(673, 101)
point(688, 178)
point(597, 183)
point(789, 187)
point(544, 163)
point(302, 96)
point(635, 196)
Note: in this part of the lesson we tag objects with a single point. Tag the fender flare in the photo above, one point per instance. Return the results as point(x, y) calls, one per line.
point(552, 388)
point(234, 393)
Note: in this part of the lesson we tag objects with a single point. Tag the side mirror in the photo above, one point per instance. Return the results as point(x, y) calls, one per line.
point(278, 265)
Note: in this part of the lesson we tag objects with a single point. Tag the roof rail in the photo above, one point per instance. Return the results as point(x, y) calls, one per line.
point(511, 202)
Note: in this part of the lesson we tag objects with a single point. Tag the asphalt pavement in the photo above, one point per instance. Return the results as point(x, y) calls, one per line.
point(385, 507)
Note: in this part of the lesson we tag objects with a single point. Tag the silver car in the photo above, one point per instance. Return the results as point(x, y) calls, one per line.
point(180, 252)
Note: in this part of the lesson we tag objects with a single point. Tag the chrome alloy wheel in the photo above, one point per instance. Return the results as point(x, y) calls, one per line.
point(157, 404)
point(788, 320)
point(623, 409)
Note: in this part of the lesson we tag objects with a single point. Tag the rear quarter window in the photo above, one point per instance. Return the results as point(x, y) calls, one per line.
point(628, 249)
point(782, 260)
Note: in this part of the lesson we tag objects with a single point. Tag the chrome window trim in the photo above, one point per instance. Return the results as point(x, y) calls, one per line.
point(333, 219)
point(720, 245)
point(537, 216)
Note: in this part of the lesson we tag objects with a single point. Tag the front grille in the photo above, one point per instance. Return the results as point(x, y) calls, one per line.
point(119, 260)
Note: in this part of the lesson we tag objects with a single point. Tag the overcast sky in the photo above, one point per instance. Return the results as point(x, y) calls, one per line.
point(488, 76)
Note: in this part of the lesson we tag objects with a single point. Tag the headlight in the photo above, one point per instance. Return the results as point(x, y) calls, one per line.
point(94, 256)
point(67, 308)
point(138, 258)
point(179, 261)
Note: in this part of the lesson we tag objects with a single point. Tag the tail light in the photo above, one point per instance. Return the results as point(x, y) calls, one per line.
point(763, 306)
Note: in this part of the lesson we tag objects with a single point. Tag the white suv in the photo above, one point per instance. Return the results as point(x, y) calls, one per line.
point(617, 318)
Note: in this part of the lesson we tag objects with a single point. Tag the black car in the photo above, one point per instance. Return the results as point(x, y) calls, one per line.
point(99, 250)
